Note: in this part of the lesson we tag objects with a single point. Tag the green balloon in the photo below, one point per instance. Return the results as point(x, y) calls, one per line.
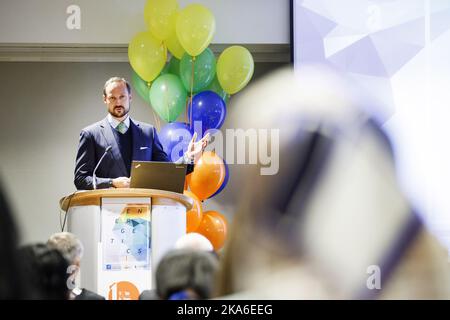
point(168, 97)
point(217, 88)
point(172, 67)
point(141, 86)
point(204, 70)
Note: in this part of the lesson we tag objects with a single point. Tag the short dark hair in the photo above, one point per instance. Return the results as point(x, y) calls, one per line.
point(183, 269)
point(116, 79)
point(47, 271)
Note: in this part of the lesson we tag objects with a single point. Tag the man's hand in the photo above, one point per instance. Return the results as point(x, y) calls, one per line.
point(121, 182)
point(195, 149)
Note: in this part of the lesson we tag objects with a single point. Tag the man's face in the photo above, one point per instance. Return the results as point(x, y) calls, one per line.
point(117, 99)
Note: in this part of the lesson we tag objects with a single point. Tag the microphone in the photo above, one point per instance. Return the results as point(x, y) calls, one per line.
point(94, 182)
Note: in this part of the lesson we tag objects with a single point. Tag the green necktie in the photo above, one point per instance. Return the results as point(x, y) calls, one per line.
point(121, 127)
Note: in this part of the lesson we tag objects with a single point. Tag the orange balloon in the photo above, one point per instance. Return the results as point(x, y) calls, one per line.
point(208, 175)
point(195, 215)
point(218, 215)
point(214, 227)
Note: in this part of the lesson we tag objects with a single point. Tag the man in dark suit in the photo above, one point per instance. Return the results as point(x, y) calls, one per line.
point(129, 140)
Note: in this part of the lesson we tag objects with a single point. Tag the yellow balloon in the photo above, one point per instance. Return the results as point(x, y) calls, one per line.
point(195, 28)
point(174, 45)
point(147, 55)
point(234, 68)
point(160, 17)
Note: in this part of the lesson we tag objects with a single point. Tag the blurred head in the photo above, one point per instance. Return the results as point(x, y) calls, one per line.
point(117, 97)
point(186, 274)
point(46, 271)
point(333, 212)
point(69, 245)
point(194, 241)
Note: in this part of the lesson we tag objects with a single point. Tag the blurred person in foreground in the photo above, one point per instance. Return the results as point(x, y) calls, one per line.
point(194, 241)
point(12, 284)
point(185, 274)
point(46, 271)
point(72, 250)
point(333, 222)
point(190, 242)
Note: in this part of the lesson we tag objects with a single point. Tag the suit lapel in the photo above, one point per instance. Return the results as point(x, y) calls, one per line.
point(115, 151)
point(138, 139)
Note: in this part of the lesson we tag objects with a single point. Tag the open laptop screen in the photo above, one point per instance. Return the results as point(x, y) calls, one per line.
point(158, 175)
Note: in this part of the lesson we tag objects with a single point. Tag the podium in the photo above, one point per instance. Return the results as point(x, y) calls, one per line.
point(125, 233)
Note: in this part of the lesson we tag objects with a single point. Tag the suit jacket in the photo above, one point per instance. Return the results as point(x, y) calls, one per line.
point(95, 138)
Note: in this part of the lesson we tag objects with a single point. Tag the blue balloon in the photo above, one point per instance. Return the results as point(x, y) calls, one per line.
point(208, 111)
point(175, 138)
point(225, 181)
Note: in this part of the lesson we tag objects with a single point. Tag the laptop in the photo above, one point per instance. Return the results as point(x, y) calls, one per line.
point(167, 176)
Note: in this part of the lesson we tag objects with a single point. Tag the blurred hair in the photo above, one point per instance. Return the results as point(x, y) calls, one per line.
point(422, 273)
point(185, 269)
point(47, 271)
point(69, 245)
point(194, 241)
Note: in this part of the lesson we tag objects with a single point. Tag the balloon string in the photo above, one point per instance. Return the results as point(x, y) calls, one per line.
point(155, 117)
point(186, 112)
point(192, 88)
point(157, 123)
point(166, 99)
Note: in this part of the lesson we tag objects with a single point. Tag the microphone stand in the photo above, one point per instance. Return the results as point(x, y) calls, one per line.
point(94, 178)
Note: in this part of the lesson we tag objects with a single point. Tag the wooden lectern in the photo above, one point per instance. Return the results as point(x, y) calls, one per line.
point(125, 233)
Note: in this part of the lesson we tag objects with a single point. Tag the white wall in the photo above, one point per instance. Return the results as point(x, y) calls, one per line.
point(116, 21)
